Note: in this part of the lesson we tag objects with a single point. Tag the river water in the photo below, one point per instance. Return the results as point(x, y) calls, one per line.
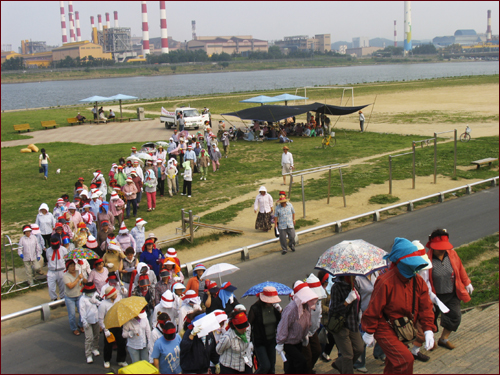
point(54, 93)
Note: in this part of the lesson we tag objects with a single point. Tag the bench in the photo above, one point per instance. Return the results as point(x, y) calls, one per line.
point(484, 161)
point(98, 121)
point(74, 120)
point(20, 127)
point(49, 124)
point(121, 119)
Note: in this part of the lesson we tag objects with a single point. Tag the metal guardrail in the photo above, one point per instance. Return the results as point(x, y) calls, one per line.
point(245, 255)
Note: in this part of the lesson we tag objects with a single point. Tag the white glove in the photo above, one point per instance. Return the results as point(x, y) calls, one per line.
point(196, 330)
point(279, 348)
point(208, 164)
point(231, 299)
point(351, 297)
point(124, 291)
point(469, 289)
point(107, 333)
point(368, 339)
point(305, 341)
point(432, 296)
point(277, 306)
point(85, 325)
point(429, 340)
point(110, 265)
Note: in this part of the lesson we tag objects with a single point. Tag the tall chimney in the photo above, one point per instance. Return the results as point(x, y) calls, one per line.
point(78, 34)
point(488, 29)
point(395, 35)
point(163, 27)
point(193, 29)
point(116, 20)
point(407, 42)
point(92, 21)
point(108, 23)
point(71, 22)
point(145, 31)
point(63, 23)
point(99, 22)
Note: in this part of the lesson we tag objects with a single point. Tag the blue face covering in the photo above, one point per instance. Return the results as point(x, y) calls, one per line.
point(408, 267)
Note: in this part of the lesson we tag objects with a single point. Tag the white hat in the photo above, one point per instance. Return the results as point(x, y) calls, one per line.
point(114, 195)
point(269, 295)
point(35, 229)
point(220, 315)
point(95, 195)
point(167, 300)
point(170, 262)
point(262, 188)
point(152, 235)
point(240, 307)
point(178, 285)
point(315, 285)
point(139, 221)
point(426, 258)
point(114, 246)
point(123, 228)
point(84, 192)
point(303, 293)
point(199, 267)
point(171, 252)
point(91, 242)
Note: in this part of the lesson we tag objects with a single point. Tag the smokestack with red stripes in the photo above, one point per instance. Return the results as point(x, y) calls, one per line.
point(63, 23)
point(108, 23)
point(71, 22)
point(145, 30)
point(116, 19)
point(163, 26)
point(488, 29)
point(92, 22)
point(78, 34)
point(395, 35)
point(99, 22)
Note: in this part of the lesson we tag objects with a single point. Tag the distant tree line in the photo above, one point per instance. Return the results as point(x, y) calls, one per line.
point(86, 61)
point(182, 56)
point(14, 63)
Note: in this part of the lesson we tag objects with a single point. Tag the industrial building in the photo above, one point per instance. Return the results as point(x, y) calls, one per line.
point(79, 49)
point(320, 42)
point(361, 42)
point(362, 51)
point(227, 44)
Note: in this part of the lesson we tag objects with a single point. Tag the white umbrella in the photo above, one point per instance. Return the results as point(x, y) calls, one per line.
point(220, 269)
point(144, 156)
point(134, 158)
point(161, 143)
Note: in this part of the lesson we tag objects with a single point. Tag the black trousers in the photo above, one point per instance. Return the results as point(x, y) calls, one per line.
point(229, 370)
point(161, 186)
point(295, 361)
point(312, 352)
point(451, 320)
point(186, 185)
point(46, 239)
point(122, 346)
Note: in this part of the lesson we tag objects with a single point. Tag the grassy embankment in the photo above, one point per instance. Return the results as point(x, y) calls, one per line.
point(222, 103)
point(234, 66)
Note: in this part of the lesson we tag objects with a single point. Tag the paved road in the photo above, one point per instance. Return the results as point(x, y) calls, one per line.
point(51, 347)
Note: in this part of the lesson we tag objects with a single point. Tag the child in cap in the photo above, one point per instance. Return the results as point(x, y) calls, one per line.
point(89, 315)
point(30, 251)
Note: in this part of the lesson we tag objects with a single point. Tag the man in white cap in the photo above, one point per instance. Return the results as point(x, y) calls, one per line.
point(30, 251)
point(284, 219)
point(191, 156)
point(124, 238)
point(294, 327)
point(138, 232)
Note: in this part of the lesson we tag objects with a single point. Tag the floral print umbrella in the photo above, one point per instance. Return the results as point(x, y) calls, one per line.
point(352, 258)
point(81, 253)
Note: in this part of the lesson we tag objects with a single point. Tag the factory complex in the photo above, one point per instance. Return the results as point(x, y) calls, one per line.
point(116, 43)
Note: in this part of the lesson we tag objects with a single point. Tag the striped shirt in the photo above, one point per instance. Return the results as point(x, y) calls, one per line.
point(291, 329)
point(232, 350)
point(442, 275)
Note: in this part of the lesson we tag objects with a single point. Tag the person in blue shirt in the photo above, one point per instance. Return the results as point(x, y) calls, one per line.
point(167, 352)
point(151, 256)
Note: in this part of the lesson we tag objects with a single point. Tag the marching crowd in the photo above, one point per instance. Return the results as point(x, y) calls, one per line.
point(396, 307)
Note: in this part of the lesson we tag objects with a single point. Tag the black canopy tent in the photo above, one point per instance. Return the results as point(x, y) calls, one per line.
point(274, 113)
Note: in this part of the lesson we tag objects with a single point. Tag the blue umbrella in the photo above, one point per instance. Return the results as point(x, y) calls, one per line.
point(259, 99)
point(121, 97)
point(96, 98)
point(259, 288)
point(286, 97)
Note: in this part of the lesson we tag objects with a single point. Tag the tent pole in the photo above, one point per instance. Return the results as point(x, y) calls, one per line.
point(373, 106)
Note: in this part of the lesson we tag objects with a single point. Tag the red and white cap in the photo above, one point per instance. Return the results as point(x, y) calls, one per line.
point(60, 200)
point(35, 229)
point(167, 300)
point(123, 228)
point(140, 221)
point(220, 315)
point(91, 242)
point(171, 252)
point(315, 284)
point(114, 195)
point(191, 295)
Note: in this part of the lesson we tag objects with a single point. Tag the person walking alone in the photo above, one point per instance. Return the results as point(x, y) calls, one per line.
point(43, 162)
point(264, 205)
point(362, 121)
point(284, 218)
point(286, 163)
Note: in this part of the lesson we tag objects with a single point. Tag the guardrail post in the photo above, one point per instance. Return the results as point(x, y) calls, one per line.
point(455, 156)
point(342, 184)
point(45, 312)
point(338, 227)
point(493, 182)
point(468, 189)
point(390, 175)
point(414, 162)
point(183, 221)
point(290, 187)
point(303, 198)
point(191, 226)
point(441, 198)
point(409, 207)
point(189, 268)
point(376, 216)
point(245, 255)
point(435, 157)
point(329, 183)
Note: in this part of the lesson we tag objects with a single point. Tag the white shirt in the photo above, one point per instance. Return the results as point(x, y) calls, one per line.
point(88, 310)
point(141, 333)
point(172, 313)
point(105, 305)
point(287, 159)
point(44, 161)
point(263, 203)
point(361, 117)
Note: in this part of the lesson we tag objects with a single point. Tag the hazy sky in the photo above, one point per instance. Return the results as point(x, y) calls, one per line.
point(40, 20)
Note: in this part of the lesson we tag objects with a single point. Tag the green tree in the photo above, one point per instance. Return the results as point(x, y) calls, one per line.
point(274, 52)
point(425, 49)
point(14, 63)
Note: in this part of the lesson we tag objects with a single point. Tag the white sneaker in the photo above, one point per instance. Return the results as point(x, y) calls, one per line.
point(189, 196)
point(123, 364)
point(205, 178)
point(106, 364)
point(95, 352)
point(89, 359)
point(201, 178)
point(183, 194)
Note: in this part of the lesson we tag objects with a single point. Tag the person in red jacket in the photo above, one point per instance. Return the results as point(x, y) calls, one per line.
point(449, 283)
point(392, 298)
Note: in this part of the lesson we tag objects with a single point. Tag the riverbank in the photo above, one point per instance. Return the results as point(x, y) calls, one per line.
point(150, 70)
